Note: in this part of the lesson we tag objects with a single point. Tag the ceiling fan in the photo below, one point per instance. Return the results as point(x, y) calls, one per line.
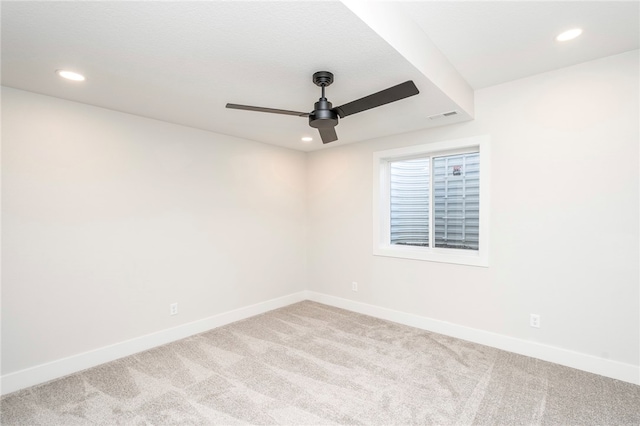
point(325, 118)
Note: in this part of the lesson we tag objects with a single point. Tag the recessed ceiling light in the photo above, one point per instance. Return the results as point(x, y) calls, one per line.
point(569, 35)
point(70, 75)
point(307, 139)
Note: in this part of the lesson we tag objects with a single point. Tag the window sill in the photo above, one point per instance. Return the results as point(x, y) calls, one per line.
point(458, 257)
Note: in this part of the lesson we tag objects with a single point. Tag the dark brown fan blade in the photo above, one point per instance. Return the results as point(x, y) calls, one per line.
point(328, 134)
point(271, 110)
point(386, 96)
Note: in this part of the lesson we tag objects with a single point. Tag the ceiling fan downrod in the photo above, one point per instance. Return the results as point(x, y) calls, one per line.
point(323, 115)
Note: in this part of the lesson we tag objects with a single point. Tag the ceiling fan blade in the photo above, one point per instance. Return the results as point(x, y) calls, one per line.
point(328, 134)
point(271, 110)
point(386, 96)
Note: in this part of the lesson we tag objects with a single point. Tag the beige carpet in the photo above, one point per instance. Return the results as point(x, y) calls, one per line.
point(313, 364)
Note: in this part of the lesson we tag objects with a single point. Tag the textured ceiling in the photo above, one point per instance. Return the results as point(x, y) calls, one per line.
point(494, 42)
point(181, 62)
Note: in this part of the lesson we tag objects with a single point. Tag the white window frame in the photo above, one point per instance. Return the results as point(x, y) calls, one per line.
point(382, 210)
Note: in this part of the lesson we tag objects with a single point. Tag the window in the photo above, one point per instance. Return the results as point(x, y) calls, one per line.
point(431, 202)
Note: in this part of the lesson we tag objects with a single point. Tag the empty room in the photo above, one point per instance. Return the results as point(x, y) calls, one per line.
point(320, 212)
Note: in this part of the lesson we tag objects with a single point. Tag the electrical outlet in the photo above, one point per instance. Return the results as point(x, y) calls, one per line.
point(354, 286)
point(534, 320)
point(173, 309)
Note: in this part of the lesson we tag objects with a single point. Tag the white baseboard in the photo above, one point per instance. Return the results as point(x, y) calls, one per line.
point(63, 367)
point(604, 367)
point(45, 372)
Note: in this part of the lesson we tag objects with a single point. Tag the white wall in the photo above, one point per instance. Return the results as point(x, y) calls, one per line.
point(108, 218)
point(564, 217)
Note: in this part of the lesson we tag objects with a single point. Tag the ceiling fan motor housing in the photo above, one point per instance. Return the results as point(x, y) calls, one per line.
point(323, 115)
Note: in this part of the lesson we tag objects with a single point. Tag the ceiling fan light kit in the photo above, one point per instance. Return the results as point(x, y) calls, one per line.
point(325, 118)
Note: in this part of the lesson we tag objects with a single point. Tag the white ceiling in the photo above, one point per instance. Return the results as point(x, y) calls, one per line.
point(181, 62)
point(493, 42)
